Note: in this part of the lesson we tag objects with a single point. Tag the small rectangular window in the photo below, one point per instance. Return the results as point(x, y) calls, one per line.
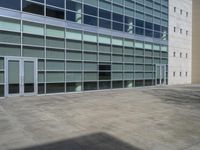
point(187, 32)
point(181, 31)
point(174, 54)
point(187, 14)
point(186, 74)
point(174, 9)
point(181, 11)
point(180, 74)
point(180, 55)
point(174, 29)
point(174, 74)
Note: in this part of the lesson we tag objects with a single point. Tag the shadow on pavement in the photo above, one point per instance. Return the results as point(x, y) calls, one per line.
point(97, 141)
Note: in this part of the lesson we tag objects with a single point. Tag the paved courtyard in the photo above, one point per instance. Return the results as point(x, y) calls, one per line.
point(155, 118)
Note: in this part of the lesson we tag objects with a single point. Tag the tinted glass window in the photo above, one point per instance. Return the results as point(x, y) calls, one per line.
point(148, 25)
point(72, 5)
point(117, 26)
point(33, 7)
point(57, 3)
point(104, 14)
point(56, 13)
point(90, 10)
point(117, 17)
point(139, 23)
point(90, 20)
point(105, 67)
point(40, 1)
point(104, 23)
point(12, 4)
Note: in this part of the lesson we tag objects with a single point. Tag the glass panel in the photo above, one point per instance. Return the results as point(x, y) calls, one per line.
point(33, 52)
point(57, 54)
point(12, 4)
point(33, 28)
point(33, 40)
point(10, 37)
point(29, 75)
point(1, 77)
point(55, 42)
point(13, 77)
point(31, 7)
point(55, 32)
point(55, 65)
point(55, 87)
point(10, 25)
point(8, 50)
point(55, 77)
point(73, 87)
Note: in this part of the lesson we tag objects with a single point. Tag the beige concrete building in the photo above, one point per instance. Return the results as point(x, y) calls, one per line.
point(180, 41)
point(196, 42)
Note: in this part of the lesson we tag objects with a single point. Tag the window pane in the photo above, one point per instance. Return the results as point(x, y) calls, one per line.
point(12, 4)
point(54, 12)
point(57, 3)
point(33, 7)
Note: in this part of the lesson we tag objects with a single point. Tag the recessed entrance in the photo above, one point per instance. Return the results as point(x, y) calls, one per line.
point(160, 74)
point(20, 76)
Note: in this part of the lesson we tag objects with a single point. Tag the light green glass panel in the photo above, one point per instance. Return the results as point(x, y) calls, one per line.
point(57, 54)
point(90, 37)
point(148, 76)
point(13, 72)
point(156, 47)
point(90, 66)
point(164, 48)
point(55, 32)
point(128, 59)
point(1, 77)
point(117, 42)
point(90, 76)
point(74, 35)
point(139, 52)
point(128, 43)
point(55, 76)
point(149, 68)
point(71, 55)
point(139, 60)
point(90, 56)
point(117, 67)
point(164, 61)
point(55, 65)
point(33, 40)
point(104, 57)
point(118, 9)
point(128, 76)
point(105, 5)
point(91, 2)
point(157, 60)
point(41, 77)
point(139, 75)
point(10, 50)
point(74, 66)
point(139, 15)
point(73, 77)
point(139, 67)
point(117, 76)
point(57, 43)
point(117, 58)
point(156, 54)
point(74, 45)
point(90, 46)
point(33, 52)
point(9, 37)
point(128, 51)
point(148, 53)
point(28, 72)
point(128, 67)
point(41, 65)
point(148, 46)
point(33, 28)
point(148, 60)
point(104, 39)
point(117, 50)
point(139, 44)
point(1, 63)
point(104, 48)
point(10, 25)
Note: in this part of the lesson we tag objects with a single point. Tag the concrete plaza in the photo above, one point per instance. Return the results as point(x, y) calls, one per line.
point(154, 118)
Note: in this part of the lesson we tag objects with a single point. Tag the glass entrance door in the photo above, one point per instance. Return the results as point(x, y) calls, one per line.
point(20, 76)
point(160, 74)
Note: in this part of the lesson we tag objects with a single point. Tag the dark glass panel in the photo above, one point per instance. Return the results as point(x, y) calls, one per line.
point(104, 23)
point(129, 20)
point(54, 12)
point(33, 7)
point(55, 87)
point(149, 25)
point(41, 88)
point(148, 82)
point(40, 1)
point(148, 33)
point(118, 17)
point(157, 35)
point(72, 5)
point(157, 27)
point(117, 26)
point(72, 87)
point(117, 84)
point(12, 4)
point(90, 10)
point(13, 88)
point(57, 3)
point(104, 14)
point(71, 16)
point(139, 23)
point(105, 85)
point(90, 86)
point(1, 90)
point(139, 83)
point(104, 75)
point(139, 31)
point(105, 67)
point(29, 88)
point(90, 20)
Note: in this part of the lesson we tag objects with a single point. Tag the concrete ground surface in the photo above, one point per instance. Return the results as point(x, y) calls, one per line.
point(154, 118)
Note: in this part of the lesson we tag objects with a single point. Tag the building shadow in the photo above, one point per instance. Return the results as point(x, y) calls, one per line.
point(96, 141)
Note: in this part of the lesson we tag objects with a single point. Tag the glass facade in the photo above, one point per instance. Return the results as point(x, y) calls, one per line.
point(72, 60)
